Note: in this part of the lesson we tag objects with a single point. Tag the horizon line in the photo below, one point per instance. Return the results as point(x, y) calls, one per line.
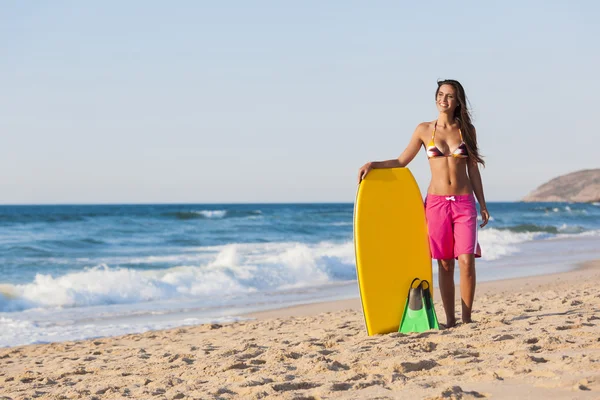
point(223, 203)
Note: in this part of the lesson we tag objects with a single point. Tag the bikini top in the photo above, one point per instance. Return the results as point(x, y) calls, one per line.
point(433, 151)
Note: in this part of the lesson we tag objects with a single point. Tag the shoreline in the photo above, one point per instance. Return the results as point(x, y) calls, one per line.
point(348, 298)
point(581, 270)
point(531, 338)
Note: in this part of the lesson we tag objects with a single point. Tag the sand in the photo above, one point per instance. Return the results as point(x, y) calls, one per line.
point(532, 338)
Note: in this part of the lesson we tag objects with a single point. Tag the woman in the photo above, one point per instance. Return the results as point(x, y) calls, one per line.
point(451, 145)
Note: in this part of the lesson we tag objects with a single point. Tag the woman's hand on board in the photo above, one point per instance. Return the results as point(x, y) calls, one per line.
point(364, 170)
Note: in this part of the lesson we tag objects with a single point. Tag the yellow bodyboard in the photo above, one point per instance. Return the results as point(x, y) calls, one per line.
point(391, 245)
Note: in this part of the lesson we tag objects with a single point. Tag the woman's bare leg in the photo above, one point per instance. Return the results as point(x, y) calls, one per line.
point(466, 263)
point(446, 282)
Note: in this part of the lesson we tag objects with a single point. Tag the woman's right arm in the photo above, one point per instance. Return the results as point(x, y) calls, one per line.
point(402, 161)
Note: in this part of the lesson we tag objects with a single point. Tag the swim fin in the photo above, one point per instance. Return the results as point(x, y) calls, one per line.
point(431, 315)
point(415, 317)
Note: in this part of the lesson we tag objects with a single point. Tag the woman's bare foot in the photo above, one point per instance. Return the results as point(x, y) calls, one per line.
point(450, 323)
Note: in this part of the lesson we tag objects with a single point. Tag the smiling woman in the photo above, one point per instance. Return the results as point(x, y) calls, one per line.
point(451, 146)
point(448, 93)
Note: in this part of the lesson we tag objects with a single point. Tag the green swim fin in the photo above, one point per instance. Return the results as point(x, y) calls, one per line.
point(415, 317)
point(431, 315)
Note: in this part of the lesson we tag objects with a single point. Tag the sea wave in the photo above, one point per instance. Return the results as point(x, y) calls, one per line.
point(548, 229)
point(496, 243)
point(234, 269)
point(532, 228)
point(47, 248)
point(573, 209)
point(499, 242)
point(24, 218)
point(226, 270)
point(27, 251)
point(213, 214)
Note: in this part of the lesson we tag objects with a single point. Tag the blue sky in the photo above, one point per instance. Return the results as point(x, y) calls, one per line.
point(269, 101)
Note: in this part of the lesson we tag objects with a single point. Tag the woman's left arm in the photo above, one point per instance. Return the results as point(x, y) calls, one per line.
point(475, 178)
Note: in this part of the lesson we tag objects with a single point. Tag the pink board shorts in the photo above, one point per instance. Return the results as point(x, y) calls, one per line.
point(452, 226)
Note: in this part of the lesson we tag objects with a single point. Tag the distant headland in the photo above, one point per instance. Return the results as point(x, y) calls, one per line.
point(578, 187)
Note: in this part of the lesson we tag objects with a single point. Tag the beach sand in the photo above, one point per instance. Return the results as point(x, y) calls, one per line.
point(533, 338)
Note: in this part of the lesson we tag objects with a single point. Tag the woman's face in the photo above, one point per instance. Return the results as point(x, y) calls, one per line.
point(446, 100)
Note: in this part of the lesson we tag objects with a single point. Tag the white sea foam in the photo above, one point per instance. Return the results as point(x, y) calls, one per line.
point(497, 243)
point(565, 228)
point(231, 269)
point(212, 213)
point(234, 269)
point(570, 235)
point(213, 271)
point(131, 300)
point(125, 300)
point(341, 224)
point(17, 331)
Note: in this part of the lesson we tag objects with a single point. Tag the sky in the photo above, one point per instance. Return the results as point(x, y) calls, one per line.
point(274, 101)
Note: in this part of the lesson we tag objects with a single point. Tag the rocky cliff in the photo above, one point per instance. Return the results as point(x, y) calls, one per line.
point(580, 187)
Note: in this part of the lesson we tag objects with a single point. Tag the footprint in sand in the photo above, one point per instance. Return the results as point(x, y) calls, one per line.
point(535, 348)
point(566, 327)
point(533, 309)
point(337, 366)
point(325, 352)
point(426, 347)
point(337, 387)
point(553, 340)
point(399, 378)
point(249, 356)
point(224, 391)
point(456, 392)
point(288, 386)
point(280, 355)
point(499, 338)
point(210, 348)
point(422, 365)
point(538, 360)
point(356, 377)
point(239, 365)
point(375, 382)
point(260, 382)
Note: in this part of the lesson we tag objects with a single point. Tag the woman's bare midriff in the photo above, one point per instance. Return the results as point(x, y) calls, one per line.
point(449, 177)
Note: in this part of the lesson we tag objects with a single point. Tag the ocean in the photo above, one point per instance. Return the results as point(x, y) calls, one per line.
point(70, 272)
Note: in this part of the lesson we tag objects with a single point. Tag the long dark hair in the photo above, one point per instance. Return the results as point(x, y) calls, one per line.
point(463, 116)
